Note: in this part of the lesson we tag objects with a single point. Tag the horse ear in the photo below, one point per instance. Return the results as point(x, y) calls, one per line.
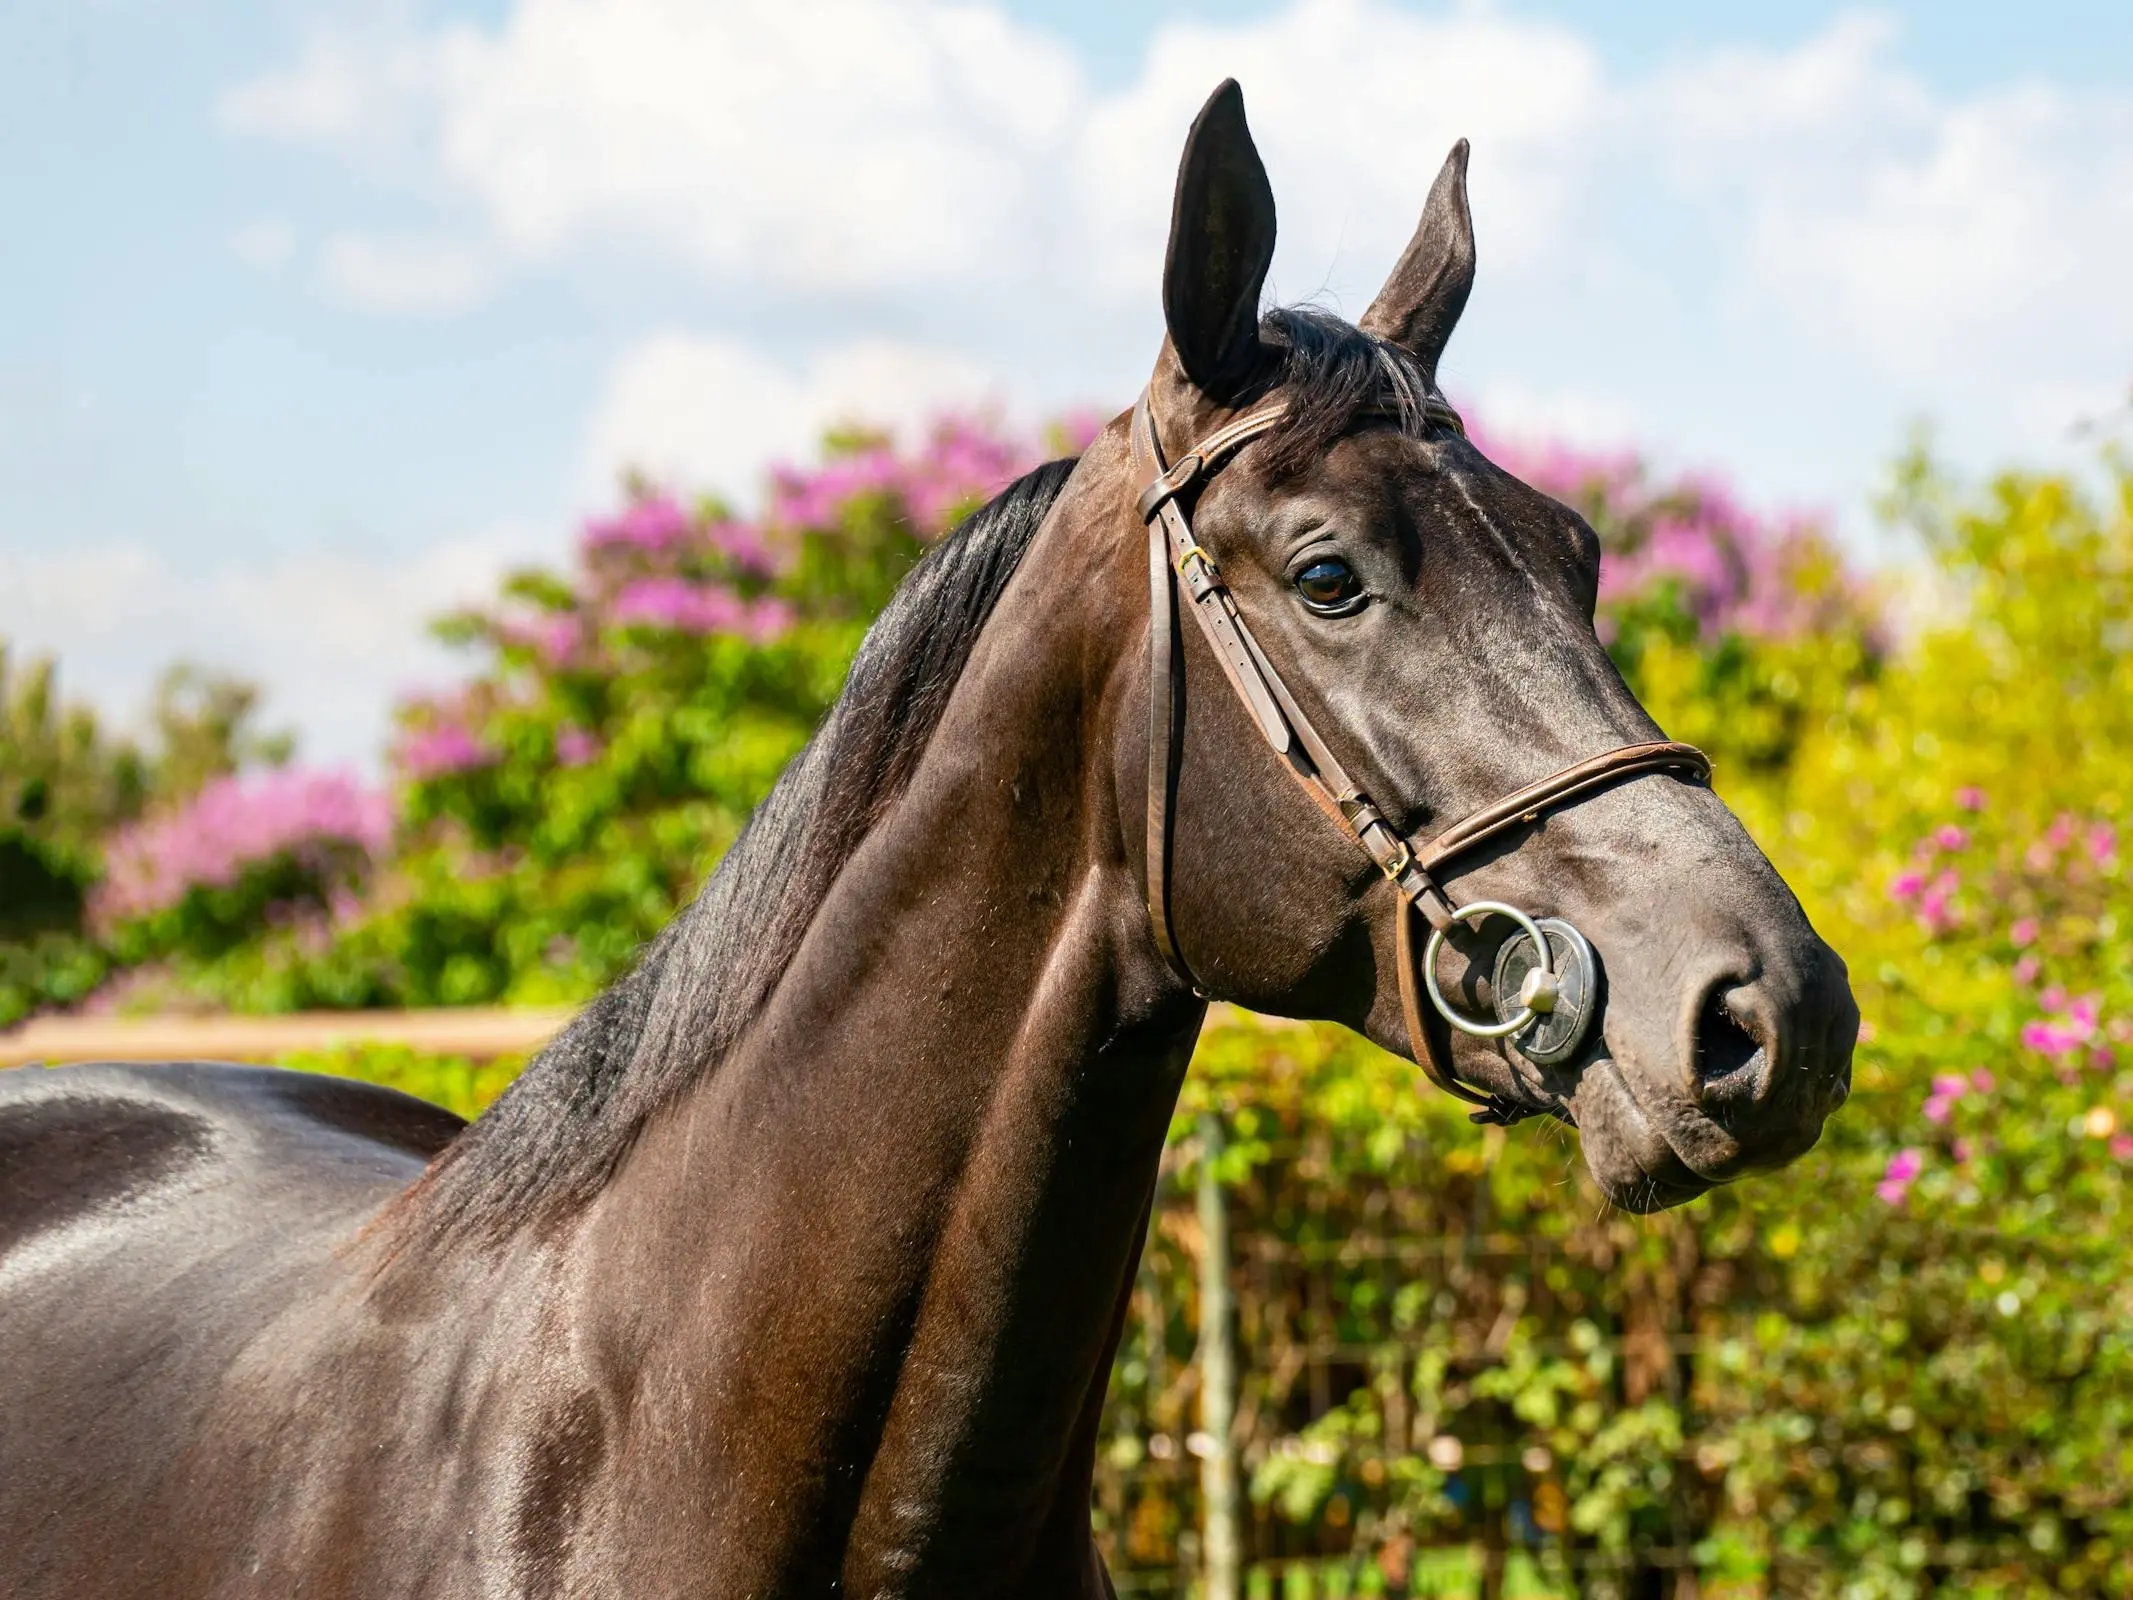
point(1421, 301)
point(1221, 243)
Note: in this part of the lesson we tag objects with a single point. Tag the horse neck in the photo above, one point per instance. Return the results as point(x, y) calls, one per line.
point(881, 1253)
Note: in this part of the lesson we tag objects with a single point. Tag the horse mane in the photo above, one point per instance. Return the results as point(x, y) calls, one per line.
point(1332, 372)
point(554, 1138)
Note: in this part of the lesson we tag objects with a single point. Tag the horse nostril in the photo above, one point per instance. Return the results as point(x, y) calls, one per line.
point(1728, 1056)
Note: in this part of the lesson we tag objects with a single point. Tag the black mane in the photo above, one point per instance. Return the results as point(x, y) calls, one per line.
point(552, 1140)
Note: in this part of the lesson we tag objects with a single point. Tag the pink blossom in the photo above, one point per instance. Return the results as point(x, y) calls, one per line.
point(686, 607)
point(742, 544)
point(959, 464)
point(439, 749)
point(1964, 1150)
point(235, 823)
point(553, 636)
point(1948, 1087)
point(2061, 833)
point(1897, 1177)
point(1949, 837)
point(2103, 843)
point(2066, 1033)
point(1983, 1081)
point(1907, 885)
point(2026, 970)
point(1970, 798)
point(2122, 1146)
point(575, 746)
point(653, 524)
point(2024, 931)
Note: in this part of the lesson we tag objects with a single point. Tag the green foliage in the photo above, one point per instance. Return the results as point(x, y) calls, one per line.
point(63, 780)
point(205, 727)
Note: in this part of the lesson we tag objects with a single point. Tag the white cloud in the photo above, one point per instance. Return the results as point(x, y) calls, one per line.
point(332, 636)
point(1590, 418)
point(404, 274)
point(715, 412)
point(1943, 239)
point(871, 148)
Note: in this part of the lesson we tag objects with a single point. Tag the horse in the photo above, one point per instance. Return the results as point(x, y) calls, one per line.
point(796, 1264)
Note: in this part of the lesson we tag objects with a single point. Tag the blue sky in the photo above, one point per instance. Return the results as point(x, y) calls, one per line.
point(318, 314)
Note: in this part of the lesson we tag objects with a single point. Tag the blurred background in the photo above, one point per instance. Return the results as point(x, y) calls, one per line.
point(448, 455)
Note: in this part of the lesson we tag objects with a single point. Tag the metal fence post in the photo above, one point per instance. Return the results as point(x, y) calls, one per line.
point(1221, 1541)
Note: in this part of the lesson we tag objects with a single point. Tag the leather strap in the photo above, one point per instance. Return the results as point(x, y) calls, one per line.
point(1174, 557)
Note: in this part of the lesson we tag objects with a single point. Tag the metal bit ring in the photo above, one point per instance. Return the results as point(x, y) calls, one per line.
point(1465, 1024)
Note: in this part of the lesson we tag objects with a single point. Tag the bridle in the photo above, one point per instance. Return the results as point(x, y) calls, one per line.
point(1174, 558)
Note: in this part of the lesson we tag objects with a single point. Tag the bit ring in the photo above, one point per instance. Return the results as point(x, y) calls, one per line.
point(1465, 1024)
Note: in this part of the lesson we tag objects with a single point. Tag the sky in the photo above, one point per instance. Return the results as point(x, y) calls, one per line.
point(318, 314)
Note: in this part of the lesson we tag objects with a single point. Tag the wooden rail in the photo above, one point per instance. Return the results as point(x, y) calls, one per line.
point(478, 1032)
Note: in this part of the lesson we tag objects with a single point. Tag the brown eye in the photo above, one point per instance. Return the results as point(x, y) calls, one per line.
point(1329, 584)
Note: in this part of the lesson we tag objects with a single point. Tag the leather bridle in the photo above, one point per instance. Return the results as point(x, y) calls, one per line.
point(1175, 557)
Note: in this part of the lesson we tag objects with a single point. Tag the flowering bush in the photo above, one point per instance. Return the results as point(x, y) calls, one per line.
point(624, 716)
point(209, 874)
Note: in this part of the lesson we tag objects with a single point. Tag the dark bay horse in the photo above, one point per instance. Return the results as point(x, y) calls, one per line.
point(796, 1264)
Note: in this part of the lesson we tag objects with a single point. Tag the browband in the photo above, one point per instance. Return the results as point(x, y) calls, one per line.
point(1174, 558)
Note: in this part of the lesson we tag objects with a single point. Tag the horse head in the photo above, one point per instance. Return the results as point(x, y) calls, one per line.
point(1424, 621)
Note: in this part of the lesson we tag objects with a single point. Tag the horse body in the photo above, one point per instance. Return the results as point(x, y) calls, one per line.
point(796, 1265)
point(655, 1397)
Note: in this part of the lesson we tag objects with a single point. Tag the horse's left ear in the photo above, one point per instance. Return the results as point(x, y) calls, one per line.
point(1421, 301)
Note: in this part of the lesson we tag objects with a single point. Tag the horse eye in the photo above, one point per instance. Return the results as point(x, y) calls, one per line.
point(1329, 584)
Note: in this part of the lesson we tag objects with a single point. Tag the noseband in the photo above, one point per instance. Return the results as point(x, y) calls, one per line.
point(1560, 967)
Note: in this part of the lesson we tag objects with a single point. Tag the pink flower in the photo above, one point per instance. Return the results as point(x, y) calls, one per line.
point(1970, 798)
point(1948, 1087)
point(685, 607)
point(2023, 932)
point(652, 525)
point(1983, 1082)
point(234, 823)
point(742, 544)
point(1964, 1150)
point(441, 748)
point(2026, 970)
point(1907, 885)
point(1897, 1177)
point(554, 636)
point(959, 465)
point(2122, 1146)
point(2103, 843)
point(574, 747)
point(1949, 837)
point(2066, 1033)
